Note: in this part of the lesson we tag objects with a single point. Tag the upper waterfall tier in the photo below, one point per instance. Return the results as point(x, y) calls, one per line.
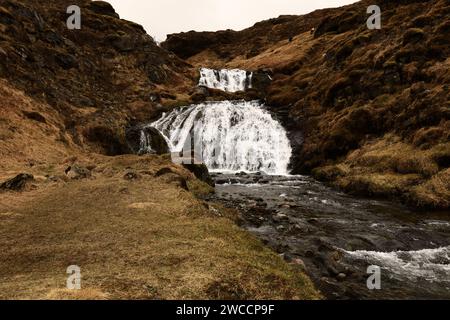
point(230, 136)
point(227, 80)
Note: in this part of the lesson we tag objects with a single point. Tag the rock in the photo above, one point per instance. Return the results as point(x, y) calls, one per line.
point(163, 171)
point(260, 82)
point(341, 276)
point(66, 61)
point(201, 172)
point(103, 8)
point(124, 43)
point(130, 176)
point(77, 172)
point(36, 116)
point(17, 183)
point(279, 217)
point(178, 181)
point(200, 94)
point(299, 262)
point(146, 140)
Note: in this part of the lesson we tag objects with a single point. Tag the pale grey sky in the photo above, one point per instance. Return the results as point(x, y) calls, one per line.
point(162, 17)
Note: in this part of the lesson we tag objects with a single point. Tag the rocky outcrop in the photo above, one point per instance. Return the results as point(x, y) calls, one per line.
point(146, 140)
point(201, 172)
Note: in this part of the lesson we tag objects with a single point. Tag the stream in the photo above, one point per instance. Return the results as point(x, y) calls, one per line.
point(336, 237)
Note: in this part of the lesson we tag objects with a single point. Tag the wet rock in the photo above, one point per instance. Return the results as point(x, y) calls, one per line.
point(226, 181)
point(341, 276)
point(260, 82)
point(17, 183)
point(280, 217)
point(200, 94)
point(201, 172)
point(146, 140)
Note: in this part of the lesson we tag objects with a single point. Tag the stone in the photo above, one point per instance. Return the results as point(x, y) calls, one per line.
point(341, 276)
point(163, 171)
point(77, 172)
point(130, 176)
point(201, 172)
point(280, 217)
point(200, 94)
point(17, 183)
point(36, 116)
point(103, 8)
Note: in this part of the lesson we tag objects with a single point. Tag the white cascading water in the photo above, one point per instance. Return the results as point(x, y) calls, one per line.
point(428, 264)
point(232, 80)
point(235, 136)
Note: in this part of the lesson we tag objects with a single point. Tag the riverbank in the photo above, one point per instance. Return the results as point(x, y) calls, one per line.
point(136, 232)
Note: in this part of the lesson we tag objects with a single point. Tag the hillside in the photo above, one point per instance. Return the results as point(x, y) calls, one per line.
point(367, 110)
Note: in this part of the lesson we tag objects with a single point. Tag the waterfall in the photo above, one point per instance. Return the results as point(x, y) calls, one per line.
point(232, 80)
point(233, 136)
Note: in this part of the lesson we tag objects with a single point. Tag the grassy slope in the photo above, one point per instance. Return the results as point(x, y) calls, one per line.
point(141, 239)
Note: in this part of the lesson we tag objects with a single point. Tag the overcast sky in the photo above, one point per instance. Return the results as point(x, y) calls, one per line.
point(162, 17)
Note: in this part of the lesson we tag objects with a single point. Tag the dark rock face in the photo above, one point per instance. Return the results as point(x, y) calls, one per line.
point(201, 172)
point(141, 140)
point(17, 183)
point(109, 139)
point(261, 81)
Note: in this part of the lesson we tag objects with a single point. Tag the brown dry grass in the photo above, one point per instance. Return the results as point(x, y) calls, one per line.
point(141, 239)
point(389, 167)
point(25, 141)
